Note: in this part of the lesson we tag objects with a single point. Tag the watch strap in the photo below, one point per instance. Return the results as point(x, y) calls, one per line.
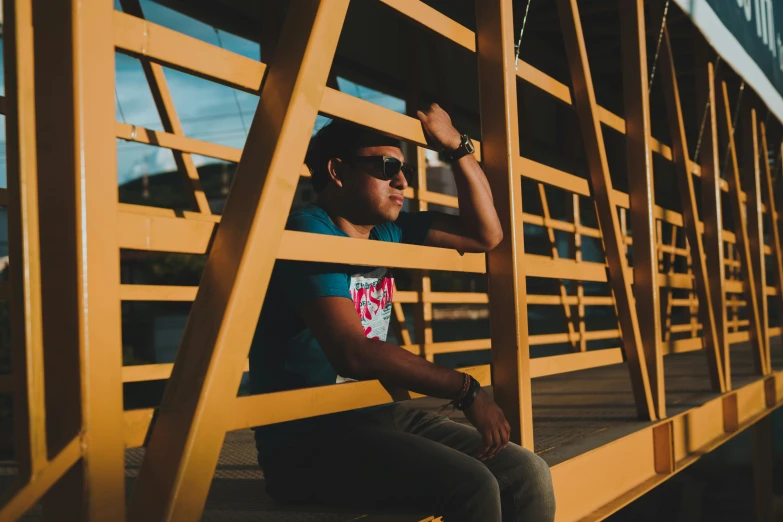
point(463, 150)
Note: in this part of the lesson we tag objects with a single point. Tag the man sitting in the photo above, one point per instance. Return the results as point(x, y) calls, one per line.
point(325, 323)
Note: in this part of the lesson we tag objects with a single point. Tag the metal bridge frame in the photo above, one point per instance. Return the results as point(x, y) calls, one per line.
point(66, 229)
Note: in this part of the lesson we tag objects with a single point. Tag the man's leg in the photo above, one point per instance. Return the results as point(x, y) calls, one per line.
point(524, 479)
point(372, 465)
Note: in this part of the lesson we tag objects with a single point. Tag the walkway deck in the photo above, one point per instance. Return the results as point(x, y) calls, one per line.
point(573, 414)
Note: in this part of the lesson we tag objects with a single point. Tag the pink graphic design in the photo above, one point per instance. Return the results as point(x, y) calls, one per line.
point(372, 298)
point(372, 294)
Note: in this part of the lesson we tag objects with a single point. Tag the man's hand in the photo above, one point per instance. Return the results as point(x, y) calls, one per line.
point(438, 128)
point(489, 420)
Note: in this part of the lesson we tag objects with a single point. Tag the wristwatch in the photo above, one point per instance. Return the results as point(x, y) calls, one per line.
point(465, 148)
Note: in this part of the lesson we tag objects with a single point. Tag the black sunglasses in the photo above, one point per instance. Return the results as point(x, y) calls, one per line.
point(389, 165)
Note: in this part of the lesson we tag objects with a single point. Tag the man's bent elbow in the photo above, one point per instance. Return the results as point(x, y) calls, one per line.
point(352, 365)
point(492, 240)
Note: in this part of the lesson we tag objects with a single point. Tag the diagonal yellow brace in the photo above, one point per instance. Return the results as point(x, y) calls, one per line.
point(185, 442)
point(601, 188)
point(755, 219)
point(642, 194)
point(690, 214)
point(768, 192)
point(712, 216)
point(23, 234)
point(743, 241)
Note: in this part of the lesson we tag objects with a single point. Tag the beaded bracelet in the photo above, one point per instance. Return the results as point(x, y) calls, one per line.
point(473, 390)
point(465, 388)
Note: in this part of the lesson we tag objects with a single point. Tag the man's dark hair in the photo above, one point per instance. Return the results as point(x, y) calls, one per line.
point(339, 139)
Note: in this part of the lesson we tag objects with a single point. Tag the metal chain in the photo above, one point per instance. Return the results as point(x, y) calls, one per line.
point(233, 91)
point(704, 118)
point(521, 32)
point(658, 47)
point(733, 125)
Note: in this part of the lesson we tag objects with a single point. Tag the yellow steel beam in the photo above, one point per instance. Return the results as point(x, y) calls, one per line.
point(77, 163)
point(756, 225)
point(422, 325)
point(642, 193)
point(601, 185)
point(712, 210)
point(776, 249)
point(186, 439)
point(506, 274)
point(27, 356)
point(690, 214)
point(743, 241)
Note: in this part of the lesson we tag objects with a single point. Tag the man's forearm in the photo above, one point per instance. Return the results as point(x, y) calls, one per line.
point(399, 368)
point(476, 206)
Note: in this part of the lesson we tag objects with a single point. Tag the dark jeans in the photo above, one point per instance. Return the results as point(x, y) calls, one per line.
point(399, 458)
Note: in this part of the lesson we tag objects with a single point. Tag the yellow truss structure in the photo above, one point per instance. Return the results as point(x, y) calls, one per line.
point(66, 230)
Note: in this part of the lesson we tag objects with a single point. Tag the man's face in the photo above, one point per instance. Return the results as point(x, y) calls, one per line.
point(369, 190)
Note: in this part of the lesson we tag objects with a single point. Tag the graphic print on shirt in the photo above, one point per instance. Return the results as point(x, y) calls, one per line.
point(372, 294)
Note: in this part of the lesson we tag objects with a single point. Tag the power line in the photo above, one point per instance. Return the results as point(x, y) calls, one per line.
point(658, 47)
point(119, 105)
point(521, 32)
point(233, 91)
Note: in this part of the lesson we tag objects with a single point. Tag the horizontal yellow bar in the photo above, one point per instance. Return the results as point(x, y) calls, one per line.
point(734, 286)
point(458, 346)
point(173, 49)
point(148, 228)
point(543, 339)
point(180, 143)
point(682, 345)
point(685, 302)
point(571, 362)
point(435, 21)
point(271, 408)
point(569, 300)
point(152, 372)
point(302, 246)
point(686, 327)
point(544, 266)
point(157, 293)
point(738, 337)
point(565, 226)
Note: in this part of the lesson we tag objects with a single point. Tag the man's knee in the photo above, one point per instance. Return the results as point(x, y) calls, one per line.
point(530, 482)
point(475, 495)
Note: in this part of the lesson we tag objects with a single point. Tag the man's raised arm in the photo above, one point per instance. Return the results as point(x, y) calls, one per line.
point(477, 228)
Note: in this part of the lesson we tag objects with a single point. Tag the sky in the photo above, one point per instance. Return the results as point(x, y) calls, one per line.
point(208, 111)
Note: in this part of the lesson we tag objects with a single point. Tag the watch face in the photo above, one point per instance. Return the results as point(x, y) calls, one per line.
point(469, 145)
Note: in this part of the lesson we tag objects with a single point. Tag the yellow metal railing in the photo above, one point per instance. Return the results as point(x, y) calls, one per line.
point(200, 403)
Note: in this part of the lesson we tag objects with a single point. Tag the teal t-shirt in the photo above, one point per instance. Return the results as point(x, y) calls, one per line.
point(284, 354)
